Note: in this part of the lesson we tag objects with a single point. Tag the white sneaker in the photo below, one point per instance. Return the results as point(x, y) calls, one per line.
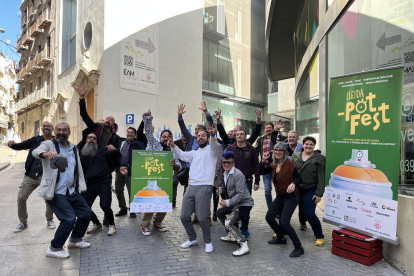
point(112, 230)
point(51, 224)
point(57, 254)
point(228, 238)
point(20, 227)
point(81, 244)
point(243, 250)
point(189, 243)
point(209, 247)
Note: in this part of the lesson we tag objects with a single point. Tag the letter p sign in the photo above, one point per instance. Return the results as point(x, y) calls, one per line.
point(130, 119)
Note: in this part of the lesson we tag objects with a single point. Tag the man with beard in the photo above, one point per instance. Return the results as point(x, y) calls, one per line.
point(106, 131)
point(32, 176)
point(227, 140)
point(61, 188)
point(123, 173)
point(162, 145)
point(200, 185)
point(265, 145)
point(97, 164)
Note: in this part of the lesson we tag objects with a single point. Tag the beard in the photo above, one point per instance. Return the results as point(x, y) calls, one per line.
point(61, 138)
point(90, 149)
point(107, 125)
point(47, 132)
point(203, 145)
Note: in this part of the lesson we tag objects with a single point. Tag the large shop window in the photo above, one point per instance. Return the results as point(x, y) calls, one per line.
point(378, 34)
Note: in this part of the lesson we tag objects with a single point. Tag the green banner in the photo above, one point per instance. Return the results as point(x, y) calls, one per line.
point(151, 181)
point(363, 151)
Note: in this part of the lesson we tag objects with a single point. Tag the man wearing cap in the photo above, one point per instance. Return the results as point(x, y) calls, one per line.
point(235, 198)
point(61, 188)
point(32, 176)
point(162, 145)
point(97, 163)
point(106, 131)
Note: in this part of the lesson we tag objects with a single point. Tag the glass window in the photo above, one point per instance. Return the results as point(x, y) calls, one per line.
point(68, 30)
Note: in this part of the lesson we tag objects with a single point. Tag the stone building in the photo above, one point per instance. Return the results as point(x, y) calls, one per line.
point(8, 79)
point(37, 66)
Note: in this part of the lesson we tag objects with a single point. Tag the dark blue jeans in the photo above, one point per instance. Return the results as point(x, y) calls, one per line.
point(67, 208)
point(309, 211)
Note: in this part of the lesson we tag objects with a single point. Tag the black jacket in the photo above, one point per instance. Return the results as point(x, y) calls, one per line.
point(97, 169)
point(230, 141)
point(30, 144)
point(135, 145)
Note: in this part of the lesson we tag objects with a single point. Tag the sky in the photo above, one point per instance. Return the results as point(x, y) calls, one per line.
point(11, 22)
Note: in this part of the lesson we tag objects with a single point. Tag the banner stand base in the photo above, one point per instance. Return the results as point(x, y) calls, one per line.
point(389, 240)
point(356, 247)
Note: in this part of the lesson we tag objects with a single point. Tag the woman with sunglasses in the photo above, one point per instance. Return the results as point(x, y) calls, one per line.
point(285, 179)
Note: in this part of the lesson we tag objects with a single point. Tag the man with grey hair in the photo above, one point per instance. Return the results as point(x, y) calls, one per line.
point(294, 145)
point(61, 185)
point(32, 176)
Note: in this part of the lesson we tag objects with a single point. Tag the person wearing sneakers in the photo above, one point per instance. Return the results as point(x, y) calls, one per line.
point(61, 185)
point(236, 198)
point(310, 164)
point(197, 197)
point(97, 165)
point(286, 179)
point(245, 157)
point(121, 180)
point(162, 145)
point(32, 176)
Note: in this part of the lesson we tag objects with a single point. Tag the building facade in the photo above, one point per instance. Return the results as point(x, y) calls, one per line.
point(8, 79)
point(338, 37)
point(36, 67)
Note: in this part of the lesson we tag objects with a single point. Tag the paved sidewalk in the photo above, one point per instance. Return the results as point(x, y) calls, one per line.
point(131, 253)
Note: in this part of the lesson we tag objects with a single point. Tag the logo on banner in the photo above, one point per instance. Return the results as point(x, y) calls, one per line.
point(371, 114)
point(377, 225)
point(352, 207)
point(338, 197)
point(387, 208)
point(349, 219)
point(374, 205)
point(382, 214)
point(360, 202)
point(349, 199)
point(366, 211)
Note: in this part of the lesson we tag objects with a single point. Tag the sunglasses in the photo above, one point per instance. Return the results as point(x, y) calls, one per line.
point(49, 126)
point(227, 162)
point(91, 138)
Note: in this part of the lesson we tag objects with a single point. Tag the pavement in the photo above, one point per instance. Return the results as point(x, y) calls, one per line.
point(131, 253)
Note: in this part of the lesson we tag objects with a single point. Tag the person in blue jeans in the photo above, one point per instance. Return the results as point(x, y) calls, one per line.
point(65, 200)
point(310, 164)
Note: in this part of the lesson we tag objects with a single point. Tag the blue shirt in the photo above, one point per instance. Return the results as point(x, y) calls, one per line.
point(67, 178)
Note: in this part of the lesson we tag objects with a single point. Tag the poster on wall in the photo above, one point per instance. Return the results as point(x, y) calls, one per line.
point(140, 62)
point(151, 181)
point(363, 152)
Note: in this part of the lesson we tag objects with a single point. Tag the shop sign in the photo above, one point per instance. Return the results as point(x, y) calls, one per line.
point(363, 151)
point(151, 181)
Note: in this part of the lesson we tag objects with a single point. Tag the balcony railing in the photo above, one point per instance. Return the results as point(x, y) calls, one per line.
point(44, 19)
point(24, 20)
point(26, 39)
point(43, 58)
point(39, 96)
point(31, 11)
point(37, 3)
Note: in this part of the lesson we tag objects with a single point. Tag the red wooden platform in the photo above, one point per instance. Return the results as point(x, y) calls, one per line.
point(356, 247)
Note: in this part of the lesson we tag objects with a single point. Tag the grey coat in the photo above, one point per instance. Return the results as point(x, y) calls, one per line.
point(237, 190)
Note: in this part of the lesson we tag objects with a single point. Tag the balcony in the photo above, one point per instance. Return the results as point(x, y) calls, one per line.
point(36, 98)
point(25, 71)
point(35, 30)
point(20, 76)
point(31, 11)
point(37, 3)
point(25, 39)
point(44, 19)
point(33, 67)
point(43, 58)
point(24, 20)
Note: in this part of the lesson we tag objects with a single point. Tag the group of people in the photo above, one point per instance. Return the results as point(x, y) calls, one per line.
point(71, 177)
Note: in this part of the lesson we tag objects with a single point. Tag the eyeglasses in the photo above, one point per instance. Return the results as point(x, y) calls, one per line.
point(49, 126)
point(279, 150)
point(227, 162)
point(61, 129)
point(91, 138)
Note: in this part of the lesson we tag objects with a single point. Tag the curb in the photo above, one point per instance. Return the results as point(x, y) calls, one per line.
point(4, 165)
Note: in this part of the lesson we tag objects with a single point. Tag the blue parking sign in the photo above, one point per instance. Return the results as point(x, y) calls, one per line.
point(130, 119)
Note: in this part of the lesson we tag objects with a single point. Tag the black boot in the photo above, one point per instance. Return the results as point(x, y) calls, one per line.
point(121, 212)
point(297, 252)
point(277, 241)
point(214, 216)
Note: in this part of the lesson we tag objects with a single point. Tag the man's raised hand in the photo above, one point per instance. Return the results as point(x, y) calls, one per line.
point(181, 110)
point(218, 114)
point(203, 106)
point(258, 116)
point(211, 129)
point(279, 124)
point(148, 113)
point(81, 91)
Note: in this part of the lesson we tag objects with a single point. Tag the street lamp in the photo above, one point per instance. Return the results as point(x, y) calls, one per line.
point(2, 31)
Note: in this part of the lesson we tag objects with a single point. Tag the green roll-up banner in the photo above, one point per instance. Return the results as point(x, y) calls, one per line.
point(363, 152)
point(151, 181)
